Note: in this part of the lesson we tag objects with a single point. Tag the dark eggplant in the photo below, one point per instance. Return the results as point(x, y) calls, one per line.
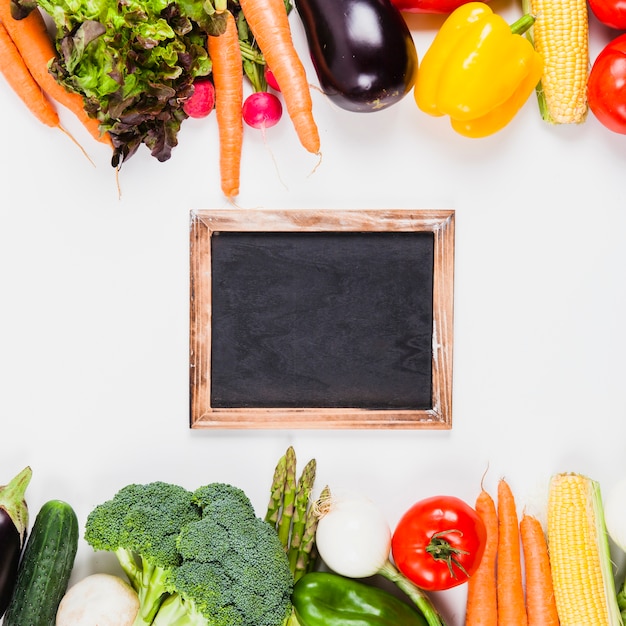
point(362, 51)
point(13, 528)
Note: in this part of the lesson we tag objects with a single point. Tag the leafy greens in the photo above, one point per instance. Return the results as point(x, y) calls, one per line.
point(134, 62)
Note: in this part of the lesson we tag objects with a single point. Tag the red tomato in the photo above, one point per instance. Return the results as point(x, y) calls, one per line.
point(428, 6)
point(606, 88)
point(611, 13)
point(439, 542)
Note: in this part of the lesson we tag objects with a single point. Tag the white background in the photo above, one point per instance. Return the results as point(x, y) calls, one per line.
point(95, 304)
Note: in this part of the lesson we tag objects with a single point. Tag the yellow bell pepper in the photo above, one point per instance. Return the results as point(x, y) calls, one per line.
point(478, 70)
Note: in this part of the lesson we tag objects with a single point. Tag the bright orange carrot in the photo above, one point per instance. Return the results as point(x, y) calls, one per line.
point(482, 602)
point(23, 84)
point(228, 80)
point(269, 24)
point(540, 603)
point(31, 38)
point(510, 586)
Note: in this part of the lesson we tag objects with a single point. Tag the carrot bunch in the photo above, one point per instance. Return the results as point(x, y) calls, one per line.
point(230, 52)
point(516, 551)
point(25, 52)
point(241, 36)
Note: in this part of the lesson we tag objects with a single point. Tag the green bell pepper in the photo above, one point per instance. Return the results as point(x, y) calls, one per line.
point(328, 599)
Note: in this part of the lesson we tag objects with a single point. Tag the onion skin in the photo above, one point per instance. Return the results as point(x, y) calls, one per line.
point(362, 51)
point(353, 538)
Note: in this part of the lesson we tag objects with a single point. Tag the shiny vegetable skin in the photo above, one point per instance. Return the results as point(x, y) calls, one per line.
point(478, 70)
point(428, 6)
point(10, 550)
point(606, 86)
point(439, 542)
point(13, 528)
point(45, 568)
point(611, 13)
point(362, 51)
point(328, 599)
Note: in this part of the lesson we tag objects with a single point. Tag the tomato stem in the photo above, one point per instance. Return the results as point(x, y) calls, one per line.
point(441, 550)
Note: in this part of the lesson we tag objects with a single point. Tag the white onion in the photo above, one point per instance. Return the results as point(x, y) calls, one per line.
point(353, 537)
point(98, 600)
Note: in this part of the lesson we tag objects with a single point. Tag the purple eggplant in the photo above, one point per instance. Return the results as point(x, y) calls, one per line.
point(362, 51)
point(13, 529)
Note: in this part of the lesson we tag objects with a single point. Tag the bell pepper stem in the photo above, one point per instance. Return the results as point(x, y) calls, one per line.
point(520, 26)
point(415, 594)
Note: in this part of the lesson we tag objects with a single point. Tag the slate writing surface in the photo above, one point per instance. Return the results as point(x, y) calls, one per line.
point(322, 319)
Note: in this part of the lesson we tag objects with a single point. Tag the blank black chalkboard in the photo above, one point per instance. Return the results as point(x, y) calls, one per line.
point(301, 319)
point(322, 320)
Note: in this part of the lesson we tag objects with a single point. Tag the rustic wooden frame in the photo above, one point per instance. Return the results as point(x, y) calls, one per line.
point(204, 223)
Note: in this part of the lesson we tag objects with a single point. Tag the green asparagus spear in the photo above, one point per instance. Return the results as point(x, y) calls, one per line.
point(289, 496)
point(307, 551)
point(277, 493)
point(301, 507)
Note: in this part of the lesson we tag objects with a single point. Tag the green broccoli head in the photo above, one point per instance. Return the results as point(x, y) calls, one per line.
point(214, 497)
point(199, 558)
point(234, 566)
point(141, 524)
point(145, 519)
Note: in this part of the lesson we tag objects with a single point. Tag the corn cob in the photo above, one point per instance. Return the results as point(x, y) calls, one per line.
point(584, 586)
point(560, 35)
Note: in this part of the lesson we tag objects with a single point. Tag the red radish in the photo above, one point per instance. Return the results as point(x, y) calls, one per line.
point(271, 79)
point(262, 110)
point(202, 100)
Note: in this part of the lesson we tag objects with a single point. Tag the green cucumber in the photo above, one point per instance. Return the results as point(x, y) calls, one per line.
point(46, 565)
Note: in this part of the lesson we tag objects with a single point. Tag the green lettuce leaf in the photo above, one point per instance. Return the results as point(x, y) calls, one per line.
point(134, 62)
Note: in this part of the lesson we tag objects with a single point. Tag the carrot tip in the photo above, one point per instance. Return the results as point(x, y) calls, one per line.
point(319, 162)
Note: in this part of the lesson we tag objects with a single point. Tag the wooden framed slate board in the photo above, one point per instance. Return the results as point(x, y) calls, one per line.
point(321, 318)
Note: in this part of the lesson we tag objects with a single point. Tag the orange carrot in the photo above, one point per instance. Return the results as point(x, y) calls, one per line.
point(228, 80)
point(510, 586)
point(540, 604)
point(482, 603)
point(31, 38)
point(23, 84)
point(269, 24)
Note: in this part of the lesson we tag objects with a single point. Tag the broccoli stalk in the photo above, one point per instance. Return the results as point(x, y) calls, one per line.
point(140, 525)
point(151, 591)
point(148, 580)
point(177, 611)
